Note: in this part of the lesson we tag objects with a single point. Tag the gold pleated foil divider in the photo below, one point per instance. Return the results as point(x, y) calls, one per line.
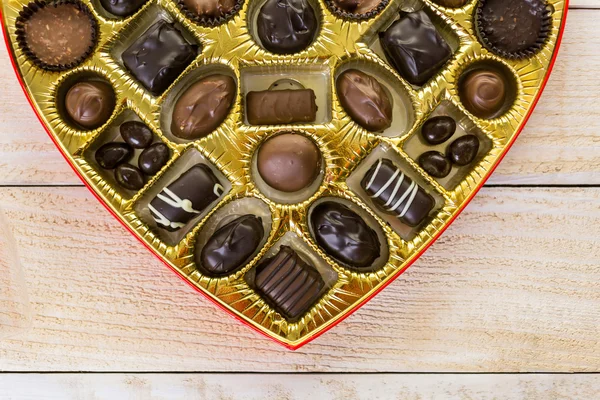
point(230, 149)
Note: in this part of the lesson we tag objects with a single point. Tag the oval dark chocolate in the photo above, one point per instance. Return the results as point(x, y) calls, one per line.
point(203, 107)
point(344, 235)
point(136, 134)
point(286, 26)
point(90, 104)
point(112, 154)
point(122, 8)
point(365, 100)
point(230, 246)
point(463, 150)
point(435, 164)
point(437, 130)
point(154, 158)
point(129, 177)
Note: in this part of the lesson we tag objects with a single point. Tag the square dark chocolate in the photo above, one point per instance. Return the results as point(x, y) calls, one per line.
point(159, 56)
point(185, 198)
point(288, 283)
point(415, 48)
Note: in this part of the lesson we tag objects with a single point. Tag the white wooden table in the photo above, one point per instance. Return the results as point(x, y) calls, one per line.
point(512, 287)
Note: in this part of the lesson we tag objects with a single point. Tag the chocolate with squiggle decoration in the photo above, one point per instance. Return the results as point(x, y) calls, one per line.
point(185, 198)
point(396, 193)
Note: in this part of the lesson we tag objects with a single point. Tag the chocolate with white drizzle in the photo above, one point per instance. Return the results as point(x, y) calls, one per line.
point(396, 193)
point(185, 198)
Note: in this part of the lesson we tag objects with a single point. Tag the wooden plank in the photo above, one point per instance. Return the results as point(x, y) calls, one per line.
point(511, 286)
point(559, 146)
point(296, 386)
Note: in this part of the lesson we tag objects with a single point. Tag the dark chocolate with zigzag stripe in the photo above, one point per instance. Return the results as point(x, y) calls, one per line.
point(185, 198)
point(396, 193)
point(289, 283)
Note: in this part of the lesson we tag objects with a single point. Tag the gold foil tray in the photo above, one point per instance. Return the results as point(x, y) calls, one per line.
point(348, 149)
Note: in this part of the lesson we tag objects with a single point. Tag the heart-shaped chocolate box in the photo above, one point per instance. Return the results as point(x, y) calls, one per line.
point(380, 195)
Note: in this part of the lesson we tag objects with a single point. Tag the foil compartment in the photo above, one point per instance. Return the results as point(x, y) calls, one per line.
point(346, 147)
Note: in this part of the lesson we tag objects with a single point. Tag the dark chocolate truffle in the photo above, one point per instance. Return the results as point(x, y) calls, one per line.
point(344, 235)
point(209, 8)
point(159, 56)
point(185, 198)
point(90, 104)
point(230, 246)
point(513, 28)
point(415, 48)
point(463, 150)
point(289, 162)
point(129, 177)
point(276, 107)
point(136, 134)
point(288, 283)
point(57, 35)
point(437, 130)
point(154, 158)
point(451, 3)
point(357, 7)
point(110, 155)
point(435, 164)
point(396, 193)
point(483, 93)
point(203, 107)
point(122, 8)
point(286, 26)
point(365, 100)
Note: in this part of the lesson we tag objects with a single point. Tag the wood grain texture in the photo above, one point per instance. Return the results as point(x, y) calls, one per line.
point(560, 145)
point(296, 387)
point(511, 286)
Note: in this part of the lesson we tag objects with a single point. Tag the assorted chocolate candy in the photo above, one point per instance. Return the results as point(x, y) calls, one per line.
point(202, 107)
point(397, 194)
point(286, 26)
point(122, 8)
point(230, 246)
point(344, 235)
point(289, 162)
point(278, 107)
point(289, 283)
point(58, 35)
point(365, 100)
point(186, 197)
point(137, 139)
point(90, 104)
point(461, 152)
point(484, 92)
point(159, 56)
point(415, 48)
point(513, 28)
